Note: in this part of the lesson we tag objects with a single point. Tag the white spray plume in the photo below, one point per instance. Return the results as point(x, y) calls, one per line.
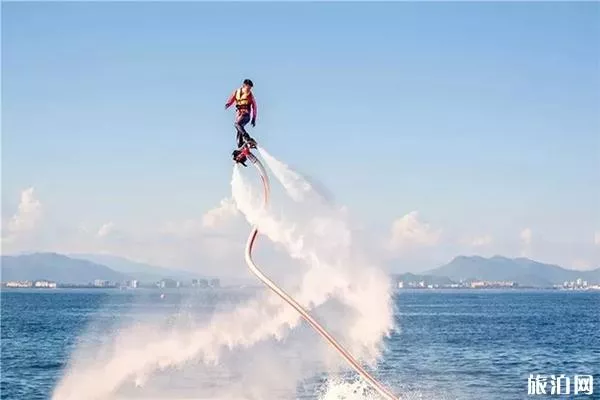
point(324, 241)
point(334, 281)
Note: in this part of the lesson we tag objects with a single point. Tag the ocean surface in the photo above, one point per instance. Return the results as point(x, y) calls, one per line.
point(463, 344)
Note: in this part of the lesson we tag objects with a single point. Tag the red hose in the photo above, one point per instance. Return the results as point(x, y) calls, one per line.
point(269, 283)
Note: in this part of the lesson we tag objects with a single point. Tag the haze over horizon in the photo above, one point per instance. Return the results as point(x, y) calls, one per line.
point(99, 258)
point(462, 138)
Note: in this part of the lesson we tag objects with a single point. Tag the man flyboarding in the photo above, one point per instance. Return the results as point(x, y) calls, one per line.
point(246, 112)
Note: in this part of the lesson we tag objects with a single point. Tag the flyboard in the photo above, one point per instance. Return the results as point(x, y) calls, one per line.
point(243, 155)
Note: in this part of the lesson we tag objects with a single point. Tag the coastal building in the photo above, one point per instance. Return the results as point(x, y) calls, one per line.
point(169, 283)
point(493, 284)
point(44, 284)
point(19, 284)
point(578, 284)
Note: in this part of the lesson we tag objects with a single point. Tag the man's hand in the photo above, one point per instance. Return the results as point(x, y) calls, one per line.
point(253, 122)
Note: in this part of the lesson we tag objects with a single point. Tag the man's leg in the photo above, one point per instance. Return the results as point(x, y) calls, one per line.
point(240, 123)
point(241, 136)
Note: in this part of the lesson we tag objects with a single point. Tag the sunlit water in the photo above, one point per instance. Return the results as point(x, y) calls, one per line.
point(449, 344)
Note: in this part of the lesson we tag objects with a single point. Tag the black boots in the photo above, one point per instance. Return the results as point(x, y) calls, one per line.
point(238, 159)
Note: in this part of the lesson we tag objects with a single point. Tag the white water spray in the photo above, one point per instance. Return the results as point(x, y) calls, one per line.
point(316, 235)
point(335, 262)
point(352, 361)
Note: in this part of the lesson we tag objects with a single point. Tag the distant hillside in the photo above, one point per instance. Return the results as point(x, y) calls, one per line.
point(524, 271)
point(140, 271)
point(55, 267)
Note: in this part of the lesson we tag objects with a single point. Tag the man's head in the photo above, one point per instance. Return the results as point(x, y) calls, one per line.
point(247, 84)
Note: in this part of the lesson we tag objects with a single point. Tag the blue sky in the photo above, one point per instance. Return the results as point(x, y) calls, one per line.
point(483, 117)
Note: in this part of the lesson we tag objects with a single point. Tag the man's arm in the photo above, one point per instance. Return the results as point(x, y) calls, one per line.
point(230, 100)
point(254, 110)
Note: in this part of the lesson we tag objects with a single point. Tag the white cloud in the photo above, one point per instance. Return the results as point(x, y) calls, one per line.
point(21, 229)
point(222, 219)
point(478, 241)
point(106, 229)
point(221, 214)
point(212, 243)
point(187, 228)
point(409, 231)
point(526, 237)
point(28, 214)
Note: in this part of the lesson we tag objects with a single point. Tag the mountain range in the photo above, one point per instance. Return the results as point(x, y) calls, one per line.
point(140, 271)
point(57, 268)
point(85, 268)
point(524, 271)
